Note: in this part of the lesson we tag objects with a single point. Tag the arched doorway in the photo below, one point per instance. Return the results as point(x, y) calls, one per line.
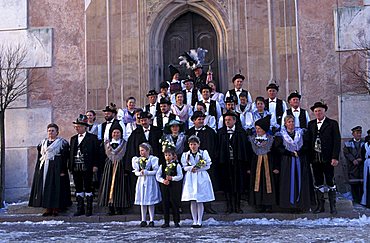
point(190, 31)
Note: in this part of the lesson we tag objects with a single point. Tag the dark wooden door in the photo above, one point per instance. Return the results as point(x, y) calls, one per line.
point(190, 31)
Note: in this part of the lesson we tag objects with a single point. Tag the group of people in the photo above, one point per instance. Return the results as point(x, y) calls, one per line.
point(188, 142)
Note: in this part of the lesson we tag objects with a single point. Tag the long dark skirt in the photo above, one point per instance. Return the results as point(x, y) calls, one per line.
point(121, 191)
point(56, 193)
point(301, 199)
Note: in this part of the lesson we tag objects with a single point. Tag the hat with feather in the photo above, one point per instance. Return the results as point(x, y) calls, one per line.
point(194, 58)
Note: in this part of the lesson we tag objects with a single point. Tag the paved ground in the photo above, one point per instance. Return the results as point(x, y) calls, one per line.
point(21, 223)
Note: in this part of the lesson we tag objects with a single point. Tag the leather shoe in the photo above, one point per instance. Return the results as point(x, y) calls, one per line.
point(143, 224)
point(151, 224)
point(165, 225)
point(177, 225)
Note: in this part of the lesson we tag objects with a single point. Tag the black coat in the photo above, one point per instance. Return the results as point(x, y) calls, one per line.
point(208, 141)
point(330, 139)
point(136, 138)
point(89, 147)
point(233, 172)
point(352, 153)
point(56, 193)
point(200, 81)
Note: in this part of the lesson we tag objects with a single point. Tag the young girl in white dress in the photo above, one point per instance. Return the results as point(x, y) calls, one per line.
point(197, 184)
point(147, 192)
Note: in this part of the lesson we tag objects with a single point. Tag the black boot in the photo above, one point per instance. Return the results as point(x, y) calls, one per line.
point(89, 205)
point(332, 200)
point(80, 206)
point(229, 204)
point(320, 202)
point(237, 203)
point(111, 211)
point(208, 208)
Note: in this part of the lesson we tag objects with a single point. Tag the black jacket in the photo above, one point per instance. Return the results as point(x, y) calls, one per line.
point(330, 139)
point(89, 147)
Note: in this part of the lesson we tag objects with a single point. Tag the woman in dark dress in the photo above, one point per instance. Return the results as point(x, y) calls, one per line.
point(291, 144)
point(50, 186)
point(114, 191)
point(264, 167)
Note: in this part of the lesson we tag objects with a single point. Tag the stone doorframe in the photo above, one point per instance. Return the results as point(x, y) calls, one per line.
point(211, 10)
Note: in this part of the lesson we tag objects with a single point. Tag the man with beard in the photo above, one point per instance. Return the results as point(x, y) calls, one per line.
point(233, 161)
point(165, 115)
point(208, 141)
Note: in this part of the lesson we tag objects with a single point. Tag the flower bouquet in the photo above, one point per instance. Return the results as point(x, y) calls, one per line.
point(142, 163)
point(201, 163)
point(170, 169)
point(167, 145)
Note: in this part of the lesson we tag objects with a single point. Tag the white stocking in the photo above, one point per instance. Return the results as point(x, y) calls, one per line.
point(144, 209)
point(200, 208)
point(193, 210)
point(151, 212)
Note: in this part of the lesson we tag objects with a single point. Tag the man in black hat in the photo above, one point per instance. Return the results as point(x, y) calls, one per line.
point(352, 153)
point(232, 161)
point(301, 117)
point(230, 104)
point(153, 106)
point(165, 115)
point(208, 141)
point(274, 105)
point(144, 133)
point(200, 77)
point(325, 143)
point(191, 94)
point(238, 81)
point(175, 83)
point(105, 131)
point(213, 108)
point(83, 163)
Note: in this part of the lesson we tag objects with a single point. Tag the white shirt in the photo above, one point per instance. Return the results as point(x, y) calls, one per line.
point(238, 91)
point(272, 109)
point(107, 128)
point(80, 137)
point(152, 109)
point(296, 113)
point(319, 123)
point(218, 107)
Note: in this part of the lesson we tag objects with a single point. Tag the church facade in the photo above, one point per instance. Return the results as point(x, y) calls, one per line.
point(89, 53)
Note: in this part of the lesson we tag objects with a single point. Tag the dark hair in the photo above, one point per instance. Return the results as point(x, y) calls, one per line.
point(260, 98)
point(93, 112)
point(243, 94)
point(54, 126)
point(138, 110)
point(170, 151)
point(130, 98)
point(178, 93)
point(202, 105)
point(194, 139)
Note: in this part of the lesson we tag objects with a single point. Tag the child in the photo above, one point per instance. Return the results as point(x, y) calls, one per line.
point(197, 183)
point(147, 192)
point(169, 175)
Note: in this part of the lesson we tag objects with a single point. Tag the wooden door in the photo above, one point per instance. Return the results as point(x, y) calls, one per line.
point(190, 31)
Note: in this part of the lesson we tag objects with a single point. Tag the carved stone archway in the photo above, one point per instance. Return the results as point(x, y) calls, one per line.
point(162, 20)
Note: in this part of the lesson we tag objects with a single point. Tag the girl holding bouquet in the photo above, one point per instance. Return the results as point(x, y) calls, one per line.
point(147, 192)
point(169, 175)
point(197, 184)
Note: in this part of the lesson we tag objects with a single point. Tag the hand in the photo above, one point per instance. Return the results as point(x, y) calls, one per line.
point(166, 182)
point(334, 162)
point(62, 174)
point(295, 154)
point(194, 169)
point(142, 172)
point(95, 169)
point(169, 178)
point(275, 171)
point(355, 162)
point(248, 171)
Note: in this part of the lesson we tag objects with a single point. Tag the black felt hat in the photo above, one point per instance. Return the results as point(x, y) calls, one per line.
point(188, 79)
point(319, 104)
point(236, 76)
point(151, 92)
point(264, 123)
point(173, 70)
point(272, 86)
point(144, 114)
point(230, 113)
point(231, 99)
point(206, 86)
point(81, 120)
point(164, 85)
point(165, 101)
point(111, 108)
point(293, 95)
